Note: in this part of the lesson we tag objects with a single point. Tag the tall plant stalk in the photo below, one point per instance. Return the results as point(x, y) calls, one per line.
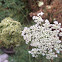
point(51, 60)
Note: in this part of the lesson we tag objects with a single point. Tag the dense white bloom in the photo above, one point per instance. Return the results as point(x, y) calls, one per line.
point(44, 38)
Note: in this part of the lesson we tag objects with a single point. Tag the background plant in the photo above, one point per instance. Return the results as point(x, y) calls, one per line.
point(51, 8)
point(15, 9)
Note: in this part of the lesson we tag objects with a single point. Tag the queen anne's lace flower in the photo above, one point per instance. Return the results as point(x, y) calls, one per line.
point(44, 38)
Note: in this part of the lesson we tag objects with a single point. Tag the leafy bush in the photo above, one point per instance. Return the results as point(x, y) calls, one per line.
point(10, 33)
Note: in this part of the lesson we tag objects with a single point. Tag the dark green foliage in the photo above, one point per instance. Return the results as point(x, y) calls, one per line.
point(14, 8)
point(22, 55)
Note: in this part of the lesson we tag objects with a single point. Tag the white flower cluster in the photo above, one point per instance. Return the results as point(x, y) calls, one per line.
point(44, 38)
point(38, 18)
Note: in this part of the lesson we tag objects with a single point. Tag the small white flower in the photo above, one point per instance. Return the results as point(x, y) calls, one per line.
point(29, 51)
point(47, 21)
point(34, 17)
point(57, 51)
point(56, 22)
point(61, 29)
point(43, 54)
point(60, 34)
point(40, 3)
point(40, 14)
point(56, 56)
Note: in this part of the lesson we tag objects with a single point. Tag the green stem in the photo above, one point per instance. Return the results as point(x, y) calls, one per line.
point(29, 54)
point(51, 60)
point(59, 56)
point(29, 58)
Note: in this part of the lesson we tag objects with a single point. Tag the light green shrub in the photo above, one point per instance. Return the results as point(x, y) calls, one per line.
point(10, 33)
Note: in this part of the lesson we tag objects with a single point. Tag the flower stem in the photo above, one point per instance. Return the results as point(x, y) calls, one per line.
point(29, 58)
point(29, 54)
point(51, 60)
